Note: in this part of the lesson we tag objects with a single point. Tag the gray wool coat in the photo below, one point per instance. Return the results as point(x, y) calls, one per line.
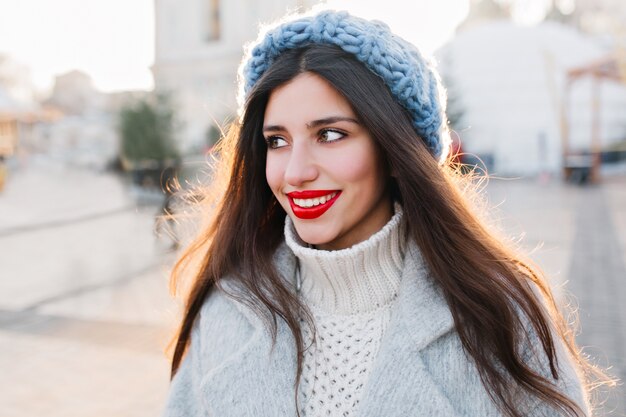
point(421, 368)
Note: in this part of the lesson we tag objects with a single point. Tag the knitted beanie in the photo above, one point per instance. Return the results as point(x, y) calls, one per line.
point(412, 80)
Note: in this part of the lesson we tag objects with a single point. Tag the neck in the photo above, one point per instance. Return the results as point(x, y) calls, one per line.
point(359, 279)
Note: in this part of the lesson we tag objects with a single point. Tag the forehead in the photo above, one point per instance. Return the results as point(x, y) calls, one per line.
point(306, 97)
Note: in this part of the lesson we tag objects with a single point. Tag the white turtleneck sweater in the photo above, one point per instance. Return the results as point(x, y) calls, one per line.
point(350, 293)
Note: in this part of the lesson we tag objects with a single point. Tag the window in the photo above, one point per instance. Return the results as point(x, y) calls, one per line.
point(211, 18)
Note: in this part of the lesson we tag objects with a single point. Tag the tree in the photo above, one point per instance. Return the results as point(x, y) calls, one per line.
point(146, 130)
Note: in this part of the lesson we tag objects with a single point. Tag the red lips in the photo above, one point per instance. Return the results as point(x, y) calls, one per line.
point(311, 212)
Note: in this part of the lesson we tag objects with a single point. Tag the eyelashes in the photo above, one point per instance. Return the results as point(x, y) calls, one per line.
point(274, 142)
point(331, 135)
point(324, 136)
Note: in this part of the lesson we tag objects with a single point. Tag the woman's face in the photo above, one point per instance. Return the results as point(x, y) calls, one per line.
point(323, 166)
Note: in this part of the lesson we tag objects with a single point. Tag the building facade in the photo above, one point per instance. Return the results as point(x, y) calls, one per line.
point(199, 45)
point(509, 84)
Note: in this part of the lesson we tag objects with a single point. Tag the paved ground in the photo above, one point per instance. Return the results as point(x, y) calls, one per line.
point(579, 237)
point(85, 314)
point(84, 305)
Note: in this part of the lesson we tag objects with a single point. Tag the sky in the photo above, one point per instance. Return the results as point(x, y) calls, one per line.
point(426, 23)
point(113, 40)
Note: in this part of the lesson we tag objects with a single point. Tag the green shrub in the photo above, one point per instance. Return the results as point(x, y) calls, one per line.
point(146, 130)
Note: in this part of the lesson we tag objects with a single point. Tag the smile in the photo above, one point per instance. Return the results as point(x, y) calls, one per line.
point(312, 204)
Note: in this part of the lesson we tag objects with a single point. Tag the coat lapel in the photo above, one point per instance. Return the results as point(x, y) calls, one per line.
point(400, 383)
point(258, 379)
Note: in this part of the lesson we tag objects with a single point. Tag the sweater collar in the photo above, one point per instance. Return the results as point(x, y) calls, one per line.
point(400, 383)
point(355, 280)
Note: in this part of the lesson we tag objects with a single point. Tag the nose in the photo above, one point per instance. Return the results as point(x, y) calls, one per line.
point(301, 167)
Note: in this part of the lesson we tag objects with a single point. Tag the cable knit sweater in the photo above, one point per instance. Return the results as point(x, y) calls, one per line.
point(350, 293)
point(235, 366)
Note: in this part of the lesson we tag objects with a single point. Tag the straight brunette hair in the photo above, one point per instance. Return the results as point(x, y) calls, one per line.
point(496, 299)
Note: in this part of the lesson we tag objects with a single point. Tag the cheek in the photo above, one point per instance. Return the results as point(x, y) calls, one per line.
point(274, 172)
point(356, 166)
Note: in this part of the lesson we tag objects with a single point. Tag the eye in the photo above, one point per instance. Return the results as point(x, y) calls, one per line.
point(275, 142)
point(331, 135)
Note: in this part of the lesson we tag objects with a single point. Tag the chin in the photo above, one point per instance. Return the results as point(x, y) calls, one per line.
point(313, 235)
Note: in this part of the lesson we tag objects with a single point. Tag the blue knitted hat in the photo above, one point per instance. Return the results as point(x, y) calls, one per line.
point(412, 80)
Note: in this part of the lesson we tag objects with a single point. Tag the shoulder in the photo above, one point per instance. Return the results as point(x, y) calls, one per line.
point(428, 318)
point(227, 319)
point(217, 331)
point(221, 328)
point(456, 373)
point(228, 300)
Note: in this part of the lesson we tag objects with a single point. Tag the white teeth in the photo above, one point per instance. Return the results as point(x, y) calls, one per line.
point(312, 202)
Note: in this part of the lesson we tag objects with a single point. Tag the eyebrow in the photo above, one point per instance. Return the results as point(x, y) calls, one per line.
point(314, 123)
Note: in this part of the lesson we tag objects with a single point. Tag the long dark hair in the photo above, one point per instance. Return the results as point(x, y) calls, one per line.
point(487, 286)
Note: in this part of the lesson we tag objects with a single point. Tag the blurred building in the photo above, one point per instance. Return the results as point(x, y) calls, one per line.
point(74, 93)
point(510, 92)
point(18, 110)
point(80, 124)
point(199, 44)
point(597, 17)
point(15, 80)
point(9, 116)
point(75, 126)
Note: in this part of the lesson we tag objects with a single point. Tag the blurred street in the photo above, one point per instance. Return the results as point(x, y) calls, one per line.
point(84, 305)
point(534, 90)
point(85, 313)
point(578, 236)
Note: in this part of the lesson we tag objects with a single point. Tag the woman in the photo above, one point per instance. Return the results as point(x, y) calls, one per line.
point(344, 273)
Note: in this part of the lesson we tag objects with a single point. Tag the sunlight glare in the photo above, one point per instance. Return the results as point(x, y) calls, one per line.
point(427, 24)
point(530, 12)
point(110, 40)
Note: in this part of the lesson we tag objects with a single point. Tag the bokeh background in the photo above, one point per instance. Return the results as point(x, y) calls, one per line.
point(103, 101)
